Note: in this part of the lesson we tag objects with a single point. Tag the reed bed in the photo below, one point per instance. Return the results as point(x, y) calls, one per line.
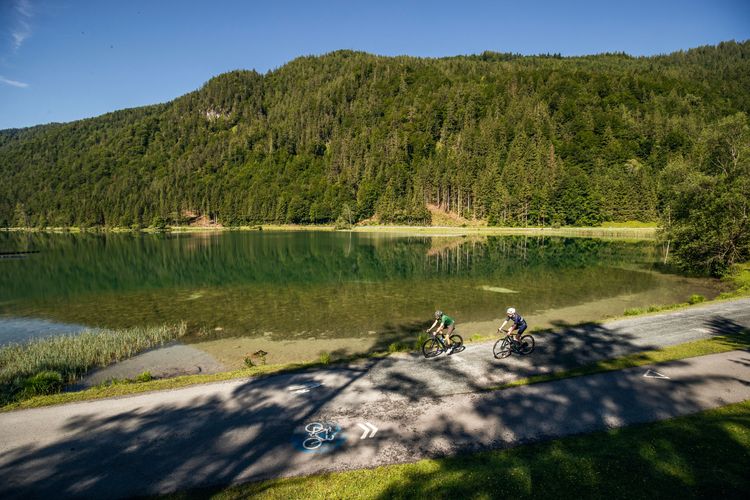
point(45, 365)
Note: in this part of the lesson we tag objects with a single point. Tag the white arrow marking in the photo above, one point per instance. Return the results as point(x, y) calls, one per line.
point(367, 427)
point(302, 388)
point(655, 374)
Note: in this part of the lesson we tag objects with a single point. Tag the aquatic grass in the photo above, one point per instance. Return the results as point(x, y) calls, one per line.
point(71, 356)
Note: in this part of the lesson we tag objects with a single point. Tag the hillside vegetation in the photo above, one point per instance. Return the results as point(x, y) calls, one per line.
point(505, 139)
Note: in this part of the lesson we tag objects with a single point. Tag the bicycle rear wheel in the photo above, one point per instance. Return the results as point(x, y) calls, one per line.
point(431, 348)
point(501, 349)
point(312, 443)
point(526, 344)
point(457, 342)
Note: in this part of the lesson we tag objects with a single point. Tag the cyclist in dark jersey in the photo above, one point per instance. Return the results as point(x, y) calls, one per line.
point(446, 324)
point(519, 324)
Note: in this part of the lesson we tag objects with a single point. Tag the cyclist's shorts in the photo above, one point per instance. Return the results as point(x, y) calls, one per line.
point(449, 329)
point(522, 328)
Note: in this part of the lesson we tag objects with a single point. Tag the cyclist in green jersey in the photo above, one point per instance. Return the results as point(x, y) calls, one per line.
point(446, 325)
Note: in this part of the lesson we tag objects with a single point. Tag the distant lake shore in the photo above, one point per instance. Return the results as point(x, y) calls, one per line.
point(638, 232)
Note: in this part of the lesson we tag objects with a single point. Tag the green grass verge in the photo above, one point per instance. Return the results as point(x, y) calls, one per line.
point(636, 311)
point(703, 347)
point(706, 455)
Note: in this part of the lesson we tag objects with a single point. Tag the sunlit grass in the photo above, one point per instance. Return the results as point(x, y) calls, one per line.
point(706, 455)
point(631, 223)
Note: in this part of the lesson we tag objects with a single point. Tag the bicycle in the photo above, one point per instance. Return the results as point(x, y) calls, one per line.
point(319, 434)
point(436, 345)
point(504, 346)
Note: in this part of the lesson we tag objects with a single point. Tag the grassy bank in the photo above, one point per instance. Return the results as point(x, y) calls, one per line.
point(44, 366)
point(706, 455)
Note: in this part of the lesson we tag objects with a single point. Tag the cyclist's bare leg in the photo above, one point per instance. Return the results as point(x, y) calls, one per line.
point(448, 332)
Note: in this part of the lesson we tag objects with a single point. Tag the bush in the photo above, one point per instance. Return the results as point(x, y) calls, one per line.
point(144, 377)
point(398, 347)
point(46, 382)
point(420, 340)
point(696, 299)
point(325, 358)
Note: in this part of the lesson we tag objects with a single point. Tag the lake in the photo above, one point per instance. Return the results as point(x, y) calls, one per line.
point(319, 290)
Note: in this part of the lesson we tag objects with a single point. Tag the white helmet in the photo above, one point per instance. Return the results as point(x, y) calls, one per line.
point(511, 311)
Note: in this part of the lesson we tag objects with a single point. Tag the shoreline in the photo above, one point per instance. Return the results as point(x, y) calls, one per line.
point(599, 232)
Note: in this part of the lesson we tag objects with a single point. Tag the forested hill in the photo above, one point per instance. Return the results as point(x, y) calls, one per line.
point(509, 139)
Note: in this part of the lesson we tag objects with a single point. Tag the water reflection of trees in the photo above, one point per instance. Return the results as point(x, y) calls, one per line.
point(338, 284)
point(70, 265)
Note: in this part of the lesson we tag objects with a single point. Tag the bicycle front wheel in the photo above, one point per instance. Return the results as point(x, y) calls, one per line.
point(314, 427)
point(431, 348)
point(501, 349)
point(526, 344)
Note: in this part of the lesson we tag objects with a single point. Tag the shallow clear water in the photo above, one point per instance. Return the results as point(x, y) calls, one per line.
point(287, 285)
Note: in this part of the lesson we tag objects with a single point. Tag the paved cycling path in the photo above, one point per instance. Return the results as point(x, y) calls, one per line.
point(245, 430)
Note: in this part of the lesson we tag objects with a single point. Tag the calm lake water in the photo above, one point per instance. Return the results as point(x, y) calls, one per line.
point(290, 285)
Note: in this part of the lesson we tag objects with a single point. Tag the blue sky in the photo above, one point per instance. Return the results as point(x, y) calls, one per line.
point(62, 60)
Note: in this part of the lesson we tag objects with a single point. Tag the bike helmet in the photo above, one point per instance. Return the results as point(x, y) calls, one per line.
point(511, 311)
point(438, 314)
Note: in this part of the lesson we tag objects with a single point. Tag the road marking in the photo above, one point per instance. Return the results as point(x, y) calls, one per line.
point(496, 289)
point(367, 427)
point(302, 388)
point(320, 437)
point(655, 374)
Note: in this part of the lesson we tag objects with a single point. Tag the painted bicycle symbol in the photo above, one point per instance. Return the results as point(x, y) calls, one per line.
point(319, 433)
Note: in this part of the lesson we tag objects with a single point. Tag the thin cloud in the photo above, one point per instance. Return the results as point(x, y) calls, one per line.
point(22, 30)
point(24, 8)
point(13, 83)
